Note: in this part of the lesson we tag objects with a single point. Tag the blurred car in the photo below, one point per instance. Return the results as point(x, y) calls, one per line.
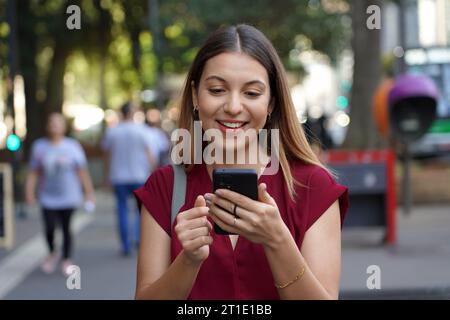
point(436, 143)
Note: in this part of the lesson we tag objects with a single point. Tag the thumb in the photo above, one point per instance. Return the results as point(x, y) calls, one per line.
point(263, 195)
point(200, 201)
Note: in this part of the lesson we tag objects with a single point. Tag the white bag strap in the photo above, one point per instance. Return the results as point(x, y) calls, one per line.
point(179, 191)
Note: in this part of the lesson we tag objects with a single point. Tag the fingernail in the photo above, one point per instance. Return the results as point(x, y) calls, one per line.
point(208, 203)
point(208, 196)
point(219, 192)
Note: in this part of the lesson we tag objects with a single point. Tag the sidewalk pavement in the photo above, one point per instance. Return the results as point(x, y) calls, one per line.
point(105, 273)
point(418, 266)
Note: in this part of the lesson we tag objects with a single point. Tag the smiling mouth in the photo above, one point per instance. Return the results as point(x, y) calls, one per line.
point(232, 125)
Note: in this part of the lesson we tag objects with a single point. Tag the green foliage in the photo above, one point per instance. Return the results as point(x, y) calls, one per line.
point(187, 24)
point(115, 39)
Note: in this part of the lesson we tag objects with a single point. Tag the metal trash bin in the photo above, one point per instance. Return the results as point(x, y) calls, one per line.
point(369, 175)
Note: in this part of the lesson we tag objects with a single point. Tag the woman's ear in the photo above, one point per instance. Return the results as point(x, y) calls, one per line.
point(194, 95)
point(271, 105)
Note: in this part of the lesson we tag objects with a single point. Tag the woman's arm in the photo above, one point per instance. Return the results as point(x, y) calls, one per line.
point(30, 186)
point(86, 181)
point(320, 255)
point(157, 278)
point(261, 223)
point(152, 160)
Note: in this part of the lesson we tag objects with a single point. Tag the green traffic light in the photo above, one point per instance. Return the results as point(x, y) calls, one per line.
point(13, 143)
point(342, 102)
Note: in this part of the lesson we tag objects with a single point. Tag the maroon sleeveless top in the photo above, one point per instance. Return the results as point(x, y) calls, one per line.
point(243, 273)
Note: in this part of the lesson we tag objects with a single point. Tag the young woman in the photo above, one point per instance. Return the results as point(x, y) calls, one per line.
point(287, 243)
point(58, 164)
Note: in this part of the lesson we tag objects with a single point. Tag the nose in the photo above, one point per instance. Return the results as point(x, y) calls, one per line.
point(233, 106)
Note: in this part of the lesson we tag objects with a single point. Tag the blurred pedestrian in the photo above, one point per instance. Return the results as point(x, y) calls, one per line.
point(58, 167)
point(317, 134)
point(158, 137)
point(129, 160)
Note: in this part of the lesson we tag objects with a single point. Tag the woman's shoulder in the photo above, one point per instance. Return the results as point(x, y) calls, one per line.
point(156, 196)
point(309, 174)
point(163, 174)
point(72, 142)
point(39, 147)
point(40, 142)
point(320, 189)
point(158, 187)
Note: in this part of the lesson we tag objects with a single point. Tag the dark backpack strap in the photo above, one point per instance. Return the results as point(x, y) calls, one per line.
point(179, 190)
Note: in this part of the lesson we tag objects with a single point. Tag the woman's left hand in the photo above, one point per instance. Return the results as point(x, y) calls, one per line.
point(258, 221)
point(90, 197)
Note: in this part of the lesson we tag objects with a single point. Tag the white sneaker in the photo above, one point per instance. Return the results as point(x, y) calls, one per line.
point(66, 267)
point(50, 263)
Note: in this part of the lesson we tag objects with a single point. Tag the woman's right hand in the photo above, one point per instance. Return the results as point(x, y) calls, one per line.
point(193, 231)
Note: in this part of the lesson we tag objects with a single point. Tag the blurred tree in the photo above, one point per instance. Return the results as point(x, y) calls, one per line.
point(367, 71)
point(45, 44)
point(186, 25)
point(116, 41)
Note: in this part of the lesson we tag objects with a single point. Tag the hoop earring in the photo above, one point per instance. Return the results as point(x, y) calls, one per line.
point(195, 113)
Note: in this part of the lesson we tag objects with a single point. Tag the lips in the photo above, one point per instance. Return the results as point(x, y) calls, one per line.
point(231, 125)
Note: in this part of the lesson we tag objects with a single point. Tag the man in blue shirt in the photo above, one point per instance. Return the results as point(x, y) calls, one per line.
point(130, 158)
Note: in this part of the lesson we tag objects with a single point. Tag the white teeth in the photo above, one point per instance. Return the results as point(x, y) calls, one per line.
point(232, 124)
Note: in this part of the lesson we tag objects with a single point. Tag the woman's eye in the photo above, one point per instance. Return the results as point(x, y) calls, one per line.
point(216, 91)
point(253, 94)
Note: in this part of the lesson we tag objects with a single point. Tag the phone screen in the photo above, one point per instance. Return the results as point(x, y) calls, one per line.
point(243, 181)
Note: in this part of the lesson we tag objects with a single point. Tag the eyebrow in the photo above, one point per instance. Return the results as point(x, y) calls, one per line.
point(247, 83)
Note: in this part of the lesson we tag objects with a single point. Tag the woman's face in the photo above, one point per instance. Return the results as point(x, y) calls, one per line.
point(233, 96)
point(56, 125)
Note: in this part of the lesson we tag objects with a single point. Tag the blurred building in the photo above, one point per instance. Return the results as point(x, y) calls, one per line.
point(425, 48)
point(427, 24)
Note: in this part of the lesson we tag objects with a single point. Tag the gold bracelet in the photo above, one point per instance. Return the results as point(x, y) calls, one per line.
point(299, 275)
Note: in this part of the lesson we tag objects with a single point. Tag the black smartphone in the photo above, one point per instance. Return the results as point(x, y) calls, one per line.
point(243, 181)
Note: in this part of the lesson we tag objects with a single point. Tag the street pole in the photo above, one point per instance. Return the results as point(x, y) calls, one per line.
point(12, 63)
point(406, 183)
point(401, 63)
point(16, 156)
point(407, 158)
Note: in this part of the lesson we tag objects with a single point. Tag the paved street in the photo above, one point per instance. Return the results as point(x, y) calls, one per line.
point(105, 274)
point(417, 267)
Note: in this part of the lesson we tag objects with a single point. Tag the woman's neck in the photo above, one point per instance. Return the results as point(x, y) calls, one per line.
point(55, 139)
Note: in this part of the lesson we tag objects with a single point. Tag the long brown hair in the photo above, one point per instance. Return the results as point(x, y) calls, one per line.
point(249, 40)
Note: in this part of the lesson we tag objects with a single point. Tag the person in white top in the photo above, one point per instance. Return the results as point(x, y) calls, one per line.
point(160, 143)
point(129, 161)
point(58, 174)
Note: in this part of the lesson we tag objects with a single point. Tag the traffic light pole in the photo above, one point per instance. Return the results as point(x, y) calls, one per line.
point(12, 53)
point(407, 159)
point(12, 66)
point(406, 179)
